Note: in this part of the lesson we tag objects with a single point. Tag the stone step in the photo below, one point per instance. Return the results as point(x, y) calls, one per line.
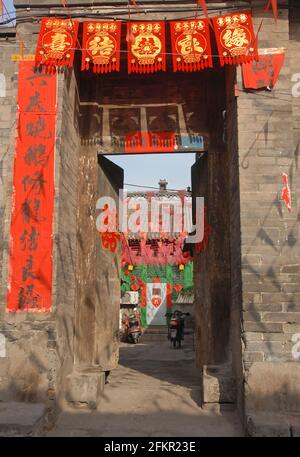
point(20, 419)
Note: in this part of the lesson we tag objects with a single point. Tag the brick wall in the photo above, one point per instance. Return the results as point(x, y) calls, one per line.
point(269, 233)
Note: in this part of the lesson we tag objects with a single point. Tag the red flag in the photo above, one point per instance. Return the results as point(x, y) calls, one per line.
point(57, 42)
point(101, 46)
point(146, 50)
point(191, 45)
point(264, 72)
point(1, 7)
point(286, 192)
point(235, 38)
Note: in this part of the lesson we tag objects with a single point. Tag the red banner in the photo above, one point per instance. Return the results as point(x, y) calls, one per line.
point(31, 245)
point(57, 42)
point(101, 46)
point(146, 47)
point(191, 46)
point(235, 38)
point(263, 73)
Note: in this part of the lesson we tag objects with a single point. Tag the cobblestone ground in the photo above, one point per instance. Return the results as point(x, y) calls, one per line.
point(154, 392)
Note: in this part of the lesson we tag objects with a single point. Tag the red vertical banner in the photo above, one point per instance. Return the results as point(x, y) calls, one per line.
point(146, 47)
point(31, 243)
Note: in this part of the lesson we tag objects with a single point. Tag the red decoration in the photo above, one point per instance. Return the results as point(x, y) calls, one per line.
point(169, 295)
point(178, 288)
point(132, 278)
point(235, 38)
point(101, 46)
point(156, 302)
point(126, 273)
point(191, 45)
point(134, 287)
point(144, 296)
point(140, 142)
point(286, 193)
point(274, 5)
point(57, 42)
point(146, 47)
point(31, 246)
point(202, 3)
point(263, 73)
point(110, 240)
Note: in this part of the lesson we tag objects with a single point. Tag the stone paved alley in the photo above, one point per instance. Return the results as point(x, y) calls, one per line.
point(154, 392)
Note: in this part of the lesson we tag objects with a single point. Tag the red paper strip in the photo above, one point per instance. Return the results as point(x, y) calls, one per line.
point(31, 245)
point(274, 5)
point(146, 47)
point(191, 45)
point(286, 192)
point(264, 72)
point(101, 46)
point(235, 38)
point(139, 142)
point(202, 3)
point(57, 42)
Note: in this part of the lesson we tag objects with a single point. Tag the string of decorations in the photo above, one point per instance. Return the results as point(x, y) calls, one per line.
point(146, 44)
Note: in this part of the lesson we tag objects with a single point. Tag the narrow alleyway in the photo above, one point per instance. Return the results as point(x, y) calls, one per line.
point(153, 393)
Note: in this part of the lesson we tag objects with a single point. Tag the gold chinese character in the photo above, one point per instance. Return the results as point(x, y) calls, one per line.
point(188, 46)
point(101, 45)
point(236, 37)
point(58, 42)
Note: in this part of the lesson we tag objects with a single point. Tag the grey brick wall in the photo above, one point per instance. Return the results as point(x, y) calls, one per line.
point(268, 139)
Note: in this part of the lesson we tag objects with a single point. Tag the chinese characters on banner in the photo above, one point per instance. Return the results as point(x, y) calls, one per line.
point(191, 46)
point(31, 245)
point(264, 72)
point(235, 38)
point(57, 42)
point(146, 47)
point(101, 46)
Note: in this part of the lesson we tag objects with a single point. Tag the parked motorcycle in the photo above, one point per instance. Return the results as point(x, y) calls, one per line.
point(134, 329)
point(176, 327)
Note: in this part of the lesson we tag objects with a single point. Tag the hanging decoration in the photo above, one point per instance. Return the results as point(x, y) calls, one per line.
point(235, 38)
point(101, 46)
point(274, 5)
point(146, 48)
point(57, 42)
point(31, 235)
point(203, 5)
point(286, 192)
point(191, 45)
point(110, 240)
point(263, 73)
point(178, 288)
